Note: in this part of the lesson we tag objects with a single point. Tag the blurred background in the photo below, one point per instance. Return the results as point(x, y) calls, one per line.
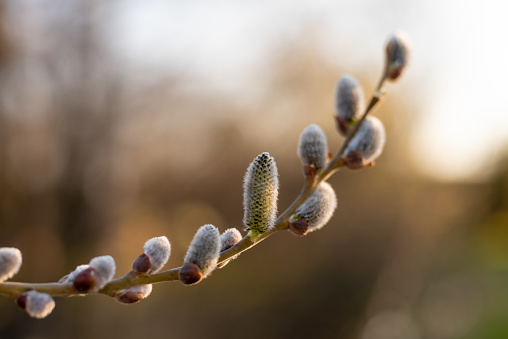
point(123, 120)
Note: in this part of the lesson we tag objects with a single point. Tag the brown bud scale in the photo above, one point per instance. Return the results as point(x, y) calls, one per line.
point(190, 274)
point(129, 297)
point(299, 227)
point(21, 301)
point(342, 125)
point(354, 160)
point(85, 281)
point(142, 264)
point(310, 171)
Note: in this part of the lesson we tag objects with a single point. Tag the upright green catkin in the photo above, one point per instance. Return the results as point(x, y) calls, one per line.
point(261, 188)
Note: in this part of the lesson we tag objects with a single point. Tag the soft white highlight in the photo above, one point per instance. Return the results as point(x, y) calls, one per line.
point(397, 54)
point(158, 251)
point(349, 99)
point(312, 147)
point(204, 249)
point(228, 239)
point(39, 305)
point(145, 290)
point(318, 208)
point(10, 262)
point(105, 268)
point(369, 139)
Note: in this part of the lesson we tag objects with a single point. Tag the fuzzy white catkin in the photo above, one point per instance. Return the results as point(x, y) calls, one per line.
point(349, 99)
point(229, 238)
point(105, 268)
point(145, 290)
point(318, 208)
point(39, 305)
point(134, 294)
point(369, 140)
point(312, 147)
point(397, 55)
point(260, 192)
point(204, 249)
point(158, 251)
point(10, 262)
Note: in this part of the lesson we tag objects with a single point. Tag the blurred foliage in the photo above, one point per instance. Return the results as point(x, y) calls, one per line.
point(93, 163)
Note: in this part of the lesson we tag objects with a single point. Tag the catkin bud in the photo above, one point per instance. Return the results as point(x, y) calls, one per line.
point(366, 145)
point(315, 211)
point(261, 188)
point(10, 262)
point(397, 55)
point(105, 267)
point(349, 102)
point(228, 239)
point(155, 256)
point(312, 147)
point(36, 304)
point(202, 255)
point(100, 271)
point(134, 294)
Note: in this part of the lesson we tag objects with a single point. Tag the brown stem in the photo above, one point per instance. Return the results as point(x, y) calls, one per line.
point(13, 289)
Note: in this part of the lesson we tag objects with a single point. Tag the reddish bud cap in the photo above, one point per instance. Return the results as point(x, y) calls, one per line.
point(342, 125)
point(21, 301)
point(85, 281)
point(310, 171)
point(354, 160)
point(190, 274)
point(397, 55)
point(299, 227)
point(142, 264)
point(129, 297)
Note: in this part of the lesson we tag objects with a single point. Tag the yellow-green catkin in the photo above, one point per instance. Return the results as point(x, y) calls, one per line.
point(261, 188)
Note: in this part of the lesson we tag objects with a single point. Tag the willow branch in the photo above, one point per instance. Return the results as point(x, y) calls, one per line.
point(131, 279)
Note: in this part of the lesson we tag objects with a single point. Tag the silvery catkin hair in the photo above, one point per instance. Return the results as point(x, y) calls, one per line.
point(10, 262)
point(312, 147)
point(369, 141)
point(204, 249)
point(397, 55)
point(158, 251)
point(349, 102)
point(318, 208)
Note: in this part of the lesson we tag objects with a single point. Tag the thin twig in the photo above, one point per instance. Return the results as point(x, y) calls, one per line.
point(13, 289)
